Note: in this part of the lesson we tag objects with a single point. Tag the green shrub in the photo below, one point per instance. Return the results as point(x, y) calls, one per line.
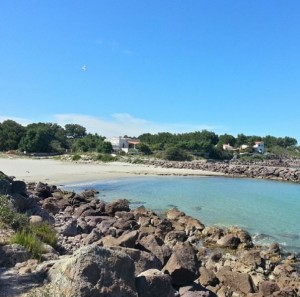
point(176, 154)
point(106, 158)
point(76, 157)
point(9, 216)
point(44, 232)
point(30, 242)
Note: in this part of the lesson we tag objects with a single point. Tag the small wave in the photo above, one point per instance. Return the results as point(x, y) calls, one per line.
point(263, 239)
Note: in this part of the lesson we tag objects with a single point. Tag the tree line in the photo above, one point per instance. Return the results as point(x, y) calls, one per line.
point(210, 145)
point(50, 138)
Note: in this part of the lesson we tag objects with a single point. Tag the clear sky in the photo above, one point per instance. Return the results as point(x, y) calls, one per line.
point(133, 66)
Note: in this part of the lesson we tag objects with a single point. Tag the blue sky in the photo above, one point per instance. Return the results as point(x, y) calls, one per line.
point(153, 66)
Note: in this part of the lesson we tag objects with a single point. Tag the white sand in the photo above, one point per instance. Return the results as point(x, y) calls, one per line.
point(63, 172)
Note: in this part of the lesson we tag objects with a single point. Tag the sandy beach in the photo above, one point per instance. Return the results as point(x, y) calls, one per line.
point(64, 172)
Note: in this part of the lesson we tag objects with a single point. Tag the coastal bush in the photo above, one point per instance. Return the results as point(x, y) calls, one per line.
point(177, 154)
point(30, 242)
point(44, 232)
point(144, 148)
point(76, 157)
point(9, 216)
point(106, 158)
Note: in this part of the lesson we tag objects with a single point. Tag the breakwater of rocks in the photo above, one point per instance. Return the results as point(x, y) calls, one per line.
point(264, 171)
point(108, 249)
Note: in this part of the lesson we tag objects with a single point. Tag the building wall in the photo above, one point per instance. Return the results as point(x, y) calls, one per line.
point(118, 143)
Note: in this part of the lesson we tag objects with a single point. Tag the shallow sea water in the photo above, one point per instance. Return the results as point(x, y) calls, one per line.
point(269, 210)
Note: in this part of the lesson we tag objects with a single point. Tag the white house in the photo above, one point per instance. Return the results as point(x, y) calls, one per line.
point(123, 143)
point(259, 147)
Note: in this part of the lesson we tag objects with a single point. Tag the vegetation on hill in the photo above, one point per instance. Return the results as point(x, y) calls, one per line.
point(52, 138)
point(205, 144)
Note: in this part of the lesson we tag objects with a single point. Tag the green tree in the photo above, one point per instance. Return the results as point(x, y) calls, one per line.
point(10, 135)
point(105, 147)
point(286, 141)
point(75, 131)
point(269, 141)
point(144, 148)
point(43, 138)
point(241, 139)
point(226, 139)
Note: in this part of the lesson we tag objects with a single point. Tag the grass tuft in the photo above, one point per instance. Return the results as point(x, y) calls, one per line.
point(30, 242)
point(44, 232)
point(9, 216)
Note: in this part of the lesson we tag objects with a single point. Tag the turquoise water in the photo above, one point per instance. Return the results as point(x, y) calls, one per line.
point(269, 210)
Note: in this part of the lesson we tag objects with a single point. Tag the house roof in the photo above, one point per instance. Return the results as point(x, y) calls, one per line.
point(133, 142)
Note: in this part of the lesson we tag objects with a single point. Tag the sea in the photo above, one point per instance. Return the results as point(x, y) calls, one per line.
point(269, 210)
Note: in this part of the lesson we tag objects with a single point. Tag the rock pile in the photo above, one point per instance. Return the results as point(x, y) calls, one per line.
point(107, 249)
point(280, 173)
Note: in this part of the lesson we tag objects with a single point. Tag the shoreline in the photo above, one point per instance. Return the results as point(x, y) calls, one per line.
point(62, 172)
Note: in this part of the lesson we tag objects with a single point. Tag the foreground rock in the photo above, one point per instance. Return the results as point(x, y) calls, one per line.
point(154, 283)
point(94, 271)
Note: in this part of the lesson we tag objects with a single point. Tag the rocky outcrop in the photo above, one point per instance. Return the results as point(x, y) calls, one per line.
point(12, 254)
point(110, 250)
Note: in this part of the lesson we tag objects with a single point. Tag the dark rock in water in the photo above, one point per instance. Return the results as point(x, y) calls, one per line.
point(197, 208)
point(137, 202)
point(289, 235)
point(172, 206)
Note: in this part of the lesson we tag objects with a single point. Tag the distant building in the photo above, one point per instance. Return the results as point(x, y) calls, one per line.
point(123, 143)
point(244, 146)
point(228, 147)
point(259, 147)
